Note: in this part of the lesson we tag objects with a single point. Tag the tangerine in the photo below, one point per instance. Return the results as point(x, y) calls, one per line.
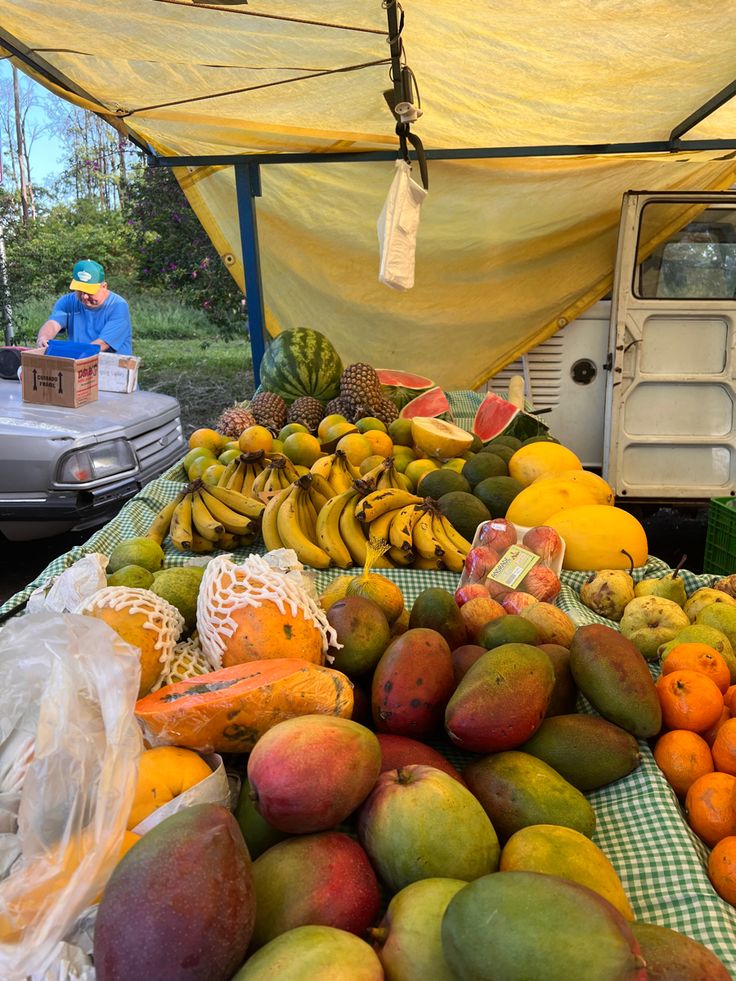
point(255, 438)
point(698, 657)
point(208, 438)
point(722, 868)
point(380, 442)
point(709, 806)
point(689, 700)
point(729, 699)
point(724, 747)
point(682, 756)
point(711, 732)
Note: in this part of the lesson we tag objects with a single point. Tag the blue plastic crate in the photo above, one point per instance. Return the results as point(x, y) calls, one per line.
point(72, 349)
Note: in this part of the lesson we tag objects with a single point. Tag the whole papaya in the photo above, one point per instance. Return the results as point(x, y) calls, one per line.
point(181, 902)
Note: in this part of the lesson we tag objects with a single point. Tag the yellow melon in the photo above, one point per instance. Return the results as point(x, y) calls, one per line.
point(538, 501)
point(537, 458)
point(596, 537)
point(601, 491)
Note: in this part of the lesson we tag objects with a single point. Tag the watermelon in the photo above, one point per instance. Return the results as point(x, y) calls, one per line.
point(300, 362)
point(402, 386)
point(432, 403)
point(497, 416)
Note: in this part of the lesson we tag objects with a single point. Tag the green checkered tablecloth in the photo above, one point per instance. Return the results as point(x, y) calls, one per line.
point(640, 825)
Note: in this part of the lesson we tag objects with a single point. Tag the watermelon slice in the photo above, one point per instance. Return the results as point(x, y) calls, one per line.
point(497, 416)
point(432, 403)
point(402, 386)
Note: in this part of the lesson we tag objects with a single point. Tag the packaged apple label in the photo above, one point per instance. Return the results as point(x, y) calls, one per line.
point(513, 566)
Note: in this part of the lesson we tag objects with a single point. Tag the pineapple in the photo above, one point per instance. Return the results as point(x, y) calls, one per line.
point(306, 410)
point(269, 410)
point(360, 383)
point(234, 420)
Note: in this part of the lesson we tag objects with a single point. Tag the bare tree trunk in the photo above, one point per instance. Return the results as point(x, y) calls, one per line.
point(19, 148)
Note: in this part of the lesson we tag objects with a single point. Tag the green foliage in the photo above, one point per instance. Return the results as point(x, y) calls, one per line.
point(174, 252)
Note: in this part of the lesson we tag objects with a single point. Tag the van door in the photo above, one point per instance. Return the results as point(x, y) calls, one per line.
point(670, 430)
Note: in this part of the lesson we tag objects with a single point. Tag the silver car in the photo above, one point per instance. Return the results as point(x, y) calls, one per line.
point(71, 469)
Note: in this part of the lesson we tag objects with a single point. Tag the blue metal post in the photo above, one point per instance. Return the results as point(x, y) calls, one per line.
point(248, 188)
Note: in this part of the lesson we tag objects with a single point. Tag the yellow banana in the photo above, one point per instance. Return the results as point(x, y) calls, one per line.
point(229, 472)
point(180, 529)
point(228, 541)
point(269, 530)
point(321, 486)
point(231, 521)
point(452, 558)
point(200, 544)
point(248, 506)
point(307, 512)
point(236, 480)
point(161, 523)
point(204, 522)
point(283, 463)
point(400, 557)
point(292, 533)
point(459, 541)
point(323, 465)
point(380, 527)
point(374, 504)
point(423, 540)
point(402, 527)
point(262, 488)
point(421, 563)
point(342, 473)
point(352, 531)
point(328, 530)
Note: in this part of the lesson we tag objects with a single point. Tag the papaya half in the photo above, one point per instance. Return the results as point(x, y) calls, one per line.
point(227, 711)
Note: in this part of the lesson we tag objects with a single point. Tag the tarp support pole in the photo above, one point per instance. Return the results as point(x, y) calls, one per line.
point(719, 99)
point(247, 189)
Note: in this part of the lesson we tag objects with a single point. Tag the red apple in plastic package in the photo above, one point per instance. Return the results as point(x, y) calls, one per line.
point(478, 612)
point(479, 561)
point(497, 532)
point(542, 583)
point(544, 542)
point(516, 601)
point(497, 590)
point(471, 590)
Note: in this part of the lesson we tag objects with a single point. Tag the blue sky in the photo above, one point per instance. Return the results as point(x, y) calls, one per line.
point(45, 149)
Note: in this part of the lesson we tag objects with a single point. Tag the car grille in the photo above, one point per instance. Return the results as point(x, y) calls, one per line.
point(159, 445)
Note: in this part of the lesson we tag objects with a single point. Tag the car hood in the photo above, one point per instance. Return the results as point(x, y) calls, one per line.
point(111, 413)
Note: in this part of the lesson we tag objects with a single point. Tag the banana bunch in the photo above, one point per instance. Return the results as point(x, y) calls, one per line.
point(290, 519)
point(417, 532)
point(386, 475)
point(240, 474)
point(278, 473)
point(206, 517)
point(337, 470)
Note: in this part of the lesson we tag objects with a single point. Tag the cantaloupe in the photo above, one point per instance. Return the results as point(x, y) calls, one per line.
point(596, 536)
point(598, 487)
point(541, 499)
point(536, 458)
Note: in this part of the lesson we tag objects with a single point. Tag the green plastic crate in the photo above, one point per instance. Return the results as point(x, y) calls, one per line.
point(720, 541)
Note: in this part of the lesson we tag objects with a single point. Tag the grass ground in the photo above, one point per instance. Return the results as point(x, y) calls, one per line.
point(182, 354)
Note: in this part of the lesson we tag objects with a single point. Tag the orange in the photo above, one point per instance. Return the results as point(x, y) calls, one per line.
point(381, 443)
point(698, 657)
point(302, 449)
point(689, 700)
point(724, 747)
point(729, 699)
point(255, 438)
point(711, 732)
point(682, 756)
point(163, 773)
point(208, 438)
point(356, 447)
point(709, 806)
point(722, 868)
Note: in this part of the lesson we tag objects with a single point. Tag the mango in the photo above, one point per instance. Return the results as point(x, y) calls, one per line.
point(420, 823)
point(587, 751)
point(501, 700)
point(516, 790)
point(317, 952)
point(257, 832)
point(560, 851)
point(412, 683)
point(310, 772)
point(314, 879)
point(398, 751)
point(187, 881)
point(615, 678)
point(565, 692)
point(543, 927)
point(436, 609)
point(671, 956)
point(408, 939)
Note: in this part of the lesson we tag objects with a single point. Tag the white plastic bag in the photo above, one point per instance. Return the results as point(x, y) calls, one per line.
point(398, 225)
point(68, 683)
point(67, 591)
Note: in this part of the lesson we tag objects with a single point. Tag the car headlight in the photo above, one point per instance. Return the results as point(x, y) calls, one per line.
point(96, 462)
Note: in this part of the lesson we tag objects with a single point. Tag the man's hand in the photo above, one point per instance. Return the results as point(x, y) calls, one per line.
point(47, 333)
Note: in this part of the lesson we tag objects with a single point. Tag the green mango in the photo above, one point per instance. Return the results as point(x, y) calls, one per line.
point(517, 790)
point(313, 952)
point(259, 835)
point(543, 926)
point(588, 751)
point(671, 956)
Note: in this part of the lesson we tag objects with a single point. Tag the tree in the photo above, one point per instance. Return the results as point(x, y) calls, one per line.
point(175, 252)
point(21, 123)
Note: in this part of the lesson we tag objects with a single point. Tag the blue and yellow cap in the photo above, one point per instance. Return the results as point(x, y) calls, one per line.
point(87, 276)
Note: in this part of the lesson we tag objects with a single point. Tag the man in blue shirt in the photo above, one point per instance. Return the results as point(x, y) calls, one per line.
point(91, 313)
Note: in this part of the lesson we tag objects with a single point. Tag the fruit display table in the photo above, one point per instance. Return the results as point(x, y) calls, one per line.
point(640, 826)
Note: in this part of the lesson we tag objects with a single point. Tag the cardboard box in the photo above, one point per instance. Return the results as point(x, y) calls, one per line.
point(118, 372)
point(48, 380)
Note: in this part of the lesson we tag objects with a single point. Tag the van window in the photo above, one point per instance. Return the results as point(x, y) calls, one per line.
point(686, 252)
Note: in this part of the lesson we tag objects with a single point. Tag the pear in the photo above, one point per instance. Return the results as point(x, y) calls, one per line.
point(704, 597)
point(726, 585)
point(669, 587)
point(651, 621)
point(608, 592)
point(722, 616)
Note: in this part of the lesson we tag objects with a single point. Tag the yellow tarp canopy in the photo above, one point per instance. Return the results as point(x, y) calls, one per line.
point(509, 249)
